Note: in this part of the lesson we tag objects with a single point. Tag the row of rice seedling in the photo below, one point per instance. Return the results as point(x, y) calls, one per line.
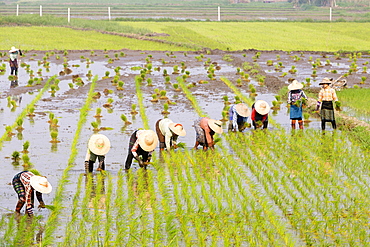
point(312, 194)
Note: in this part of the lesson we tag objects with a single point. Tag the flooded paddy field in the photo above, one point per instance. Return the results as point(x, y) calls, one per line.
point(274, 187)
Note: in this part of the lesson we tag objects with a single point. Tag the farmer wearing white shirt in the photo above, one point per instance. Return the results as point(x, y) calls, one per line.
point(168, 132)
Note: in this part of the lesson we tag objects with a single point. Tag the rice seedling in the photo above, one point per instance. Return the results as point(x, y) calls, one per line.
point(121, 84)
point(19, 127)
point(133, 109)
point(163, 94)
point(165, 109)
point(124, 119)
point(363, 79)
point(154, 98)
point(175, 69)
point(109, 103)
point(226, 99)
point(176, 87)
point(54, 137)
point(98, 113)
point(149, 82)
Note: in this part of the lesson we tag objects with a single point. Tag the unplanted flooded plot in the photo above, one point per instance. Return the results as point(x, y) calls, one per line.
point(274, 187)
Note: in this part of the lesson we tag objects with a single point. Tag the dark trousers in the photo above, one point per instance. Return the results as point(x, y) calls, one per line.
point(14, 70)
point(139, 151)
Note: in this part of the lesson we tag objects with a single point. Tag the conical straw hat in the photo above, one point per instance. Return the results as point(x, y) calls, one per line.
point(148, 140)
point(215, 125)
point(177, 128)
point(99, 144)
point(40, 184)
point(242, 110)
point(262, 107)
point(295, 85)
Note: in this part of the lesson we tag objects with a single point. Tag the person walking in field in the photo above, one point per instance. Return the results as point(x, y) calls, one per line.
point(259, 115)
point(295, 97)
point(326, 97)
point(205, 128)
point(13, 60)
point(168, 132)
point(98, 147)
point(142, 144)
point(238, 117)
point(24, 184)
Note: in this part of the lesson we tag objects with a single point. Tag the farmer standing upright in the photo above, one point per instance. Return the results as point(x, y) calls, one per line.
point(295, 96)
point(205, 128)
point(142, 144)
point(259, 115)
point(24, 183)
point(98, 147)
point(326, 97)
point(238, 117)
point(13, 60)
point(168, 132)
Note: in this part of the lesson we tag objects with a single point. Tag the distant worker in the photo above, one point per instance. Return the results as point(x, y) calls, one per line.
point(168, 132)
point(13, 60)
point(238, 117)
point(24, 184)
point(205, 128)
point(98, 147)
point(295, 96)
point(259, 115)
point(142, 144)
point(326, 97)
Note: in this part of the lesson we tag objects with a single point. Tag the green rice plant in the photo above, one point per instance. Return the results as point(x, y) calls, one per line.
point(124, 119)
point(133, 109)
point(165, 109)
point(364, 69)
point(120, 85)
point(175, 69)
point(176, 87)
point(19, 127)
point(163, 94)
point(167, 80)
point(363, 79)
point(54, 137)
point(149, 82)
point(154, 98)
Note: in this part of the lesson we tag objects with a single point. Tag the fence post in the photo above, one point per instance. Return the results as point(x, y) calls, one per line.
point(40, 10)
point(330, 14)
point(69, 15)
point(108, 13)
point(219, 14)
point(17, 9)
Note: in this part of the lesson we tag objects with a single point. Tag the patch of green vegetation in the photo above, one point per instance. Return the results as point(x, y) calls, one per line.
point(355, 98)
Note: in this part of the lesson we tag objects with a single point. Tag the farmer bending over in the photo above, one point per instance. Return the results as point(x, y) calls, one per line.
point(168, 132)
point(205, 128)
point(98, 147)
point(238, 117)
point(142, 144)
point(24, 183)
point(13, 62)
point(259, 116)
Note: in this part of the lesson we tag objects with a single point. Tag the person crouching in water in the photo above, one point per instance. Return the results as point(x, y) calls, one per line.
point(295, 96)
point(205, 128)
point(168, 132)
point(238, 117)
point(259, 115)
point(24, 184)
point(13, 60)
point(98, 147)
point(142, 144)
point(326, 97)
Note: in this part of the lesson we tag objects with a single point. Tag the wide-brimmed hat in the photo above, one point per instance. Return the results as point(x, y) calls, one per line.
point(215, 125)
point(99, 144)
point(295, 85)
point(13, 49)
point(40, 184)
point(177, 128)
point(325, 81)
point(242, 110)
point(148, 140)
point(262, 107)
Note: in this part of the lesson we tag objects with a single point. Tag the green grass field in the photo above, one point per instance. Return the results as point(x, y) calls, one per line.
point(287, 36)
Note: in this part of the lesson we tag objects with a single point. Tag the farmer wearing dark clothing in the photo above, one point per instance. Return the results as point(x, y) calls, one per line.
point(98, 147)
point(326, 97)
point(259, 116)
point(205, 128)
point(168, 132)
point(13, 60)
point(295, 96)
point(24, 183)
point(142, 144)
point(238, 117)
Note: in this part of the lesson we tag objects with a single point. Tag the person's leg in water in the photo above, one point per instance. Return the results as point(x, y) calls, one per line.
point(334, 124)
point(300, 123)
point(293, 124)
point(323, 124)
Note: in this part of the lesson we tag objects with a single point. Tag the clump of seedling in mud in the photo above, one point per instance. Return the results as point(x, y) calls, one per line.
point(30, 111)
point(26, 145)
point(149, 82)
point(364, 70)
point(176, 87)
point(19, 127)
point(269, 63)
point(165, 73)
point(165, 109)
point(314, 73)
point(54, 137)
point(175, 69)
point(109, 103)
point(224, 114)
point(96, 95)
point(293, 70)
point(54, 124)
point(98, 113)
point(167, 80)
point(8, 130)
point(163, 94)
point(26, 161)
point(120, 85)
point(16, 156)
point(226, 100)
point(95, 126)
point(237, 100)
point(133, 109)
point(107, 73)
point(124, 119)
point(252, 90)
point(239, 82)
point(154, 98)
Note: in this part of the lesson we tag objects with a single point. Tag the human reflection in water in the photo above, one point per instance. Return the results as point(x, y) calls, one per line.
point(14, 84)
point(138, 182)
point(95, 187)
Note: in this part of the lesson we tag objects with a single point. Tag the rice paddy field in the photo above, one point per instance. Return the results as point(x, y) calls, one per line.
point(277, 187)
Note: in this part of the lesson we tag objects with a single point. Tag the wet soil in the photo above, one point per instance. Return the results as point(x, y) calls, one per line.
point(52, 158)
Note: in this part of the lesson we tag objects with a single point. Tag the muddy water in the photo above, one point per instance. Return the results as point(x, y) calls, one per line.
point(51, 159)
